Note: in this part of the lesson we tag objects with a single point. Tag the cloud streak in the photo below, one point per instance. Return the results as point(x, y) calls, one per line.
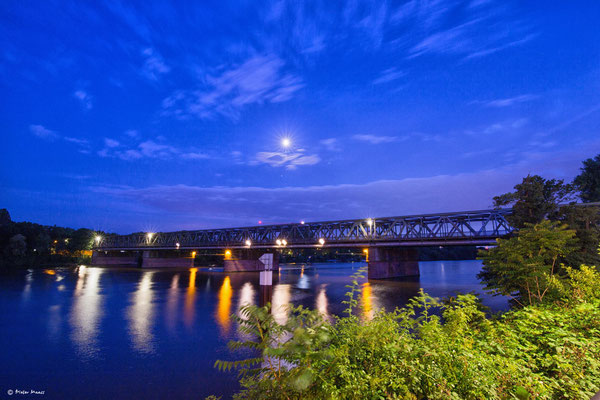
point(509, 101)
point(291, 160)
point(84, 98)
point(147, 149)
point(257, 80)
point(195, 207)
point(374, 139)
point(43, 132)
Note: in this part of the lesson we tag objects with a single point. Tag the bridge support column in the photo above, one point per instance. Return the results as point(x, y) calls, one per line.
point(116, 258)
point(248, 260)
point(167, 259)
point(393, 262)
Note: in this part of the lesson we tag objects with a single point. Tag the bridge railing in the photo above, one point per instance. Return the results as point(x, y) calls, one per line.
point(463, 226)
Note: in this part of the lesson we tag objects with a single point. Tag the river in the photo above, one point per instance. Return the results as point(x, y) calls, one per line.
point(98, 333)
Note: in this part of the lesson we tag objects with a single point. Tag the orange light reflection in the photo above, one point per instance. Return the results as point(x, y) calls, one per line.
point(367, 301)
point(224, 305)
point(188, 312)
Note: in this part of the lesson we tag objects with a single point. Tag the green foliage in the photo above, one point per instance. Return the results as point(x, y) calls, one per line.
point(25, 244)
point(585, 220)
point(535, 199)
point(588, 181)
point(523, 265)
point(429, 350)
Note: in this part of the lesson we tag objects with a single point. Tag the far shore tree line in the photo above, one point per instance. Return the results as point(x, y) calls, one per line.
point(27, 244)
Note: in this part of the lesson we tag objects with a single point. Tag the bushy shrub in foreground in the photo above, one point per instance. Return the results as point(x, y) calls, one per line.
point(429, 349)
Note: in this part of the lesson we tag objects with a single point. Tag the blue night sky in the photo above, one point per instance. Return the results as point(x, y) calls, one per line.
point(148, 116)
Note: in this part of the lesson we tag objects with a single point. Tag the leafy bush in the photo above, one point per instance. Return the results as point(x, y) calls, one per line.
point(428, 349)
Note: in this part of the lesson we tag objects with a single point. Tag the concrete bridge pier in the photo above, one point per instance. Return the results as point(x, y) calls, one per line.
point(144, 258)
point(167, 258)
point(116, 258)
point(392, 262)
point(240, 260)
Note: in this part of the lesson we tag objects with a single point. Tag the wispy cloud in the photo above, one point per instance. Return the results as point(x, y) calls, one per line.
point(509, 101)
point(291, 160)
point(47, 134)
point(155, 149)
point(154, 65)
point(259, 79)
point(331, 144)
point(374, 139)
point(43, 132)
point(81, 142)
point(388, 75)
point(84, 98)
point(111, 143)
point(482, 29)
point(499, 127)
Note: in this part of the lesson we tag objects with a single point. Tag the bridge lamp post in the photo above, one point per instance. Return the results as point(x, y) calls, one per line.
point(177, 245)
point(321, 241)
point(284, 242)
point(278, 242)
point(248, 243)
point(149, 236)
point(98, 239)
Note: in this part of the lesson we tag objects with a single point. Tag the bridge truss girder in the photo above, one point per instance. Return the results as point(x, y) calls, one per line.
point(461, 228)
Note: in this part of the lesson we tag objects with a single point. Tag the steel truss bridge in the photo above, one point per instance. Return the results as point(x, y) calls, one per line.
point(458, 228)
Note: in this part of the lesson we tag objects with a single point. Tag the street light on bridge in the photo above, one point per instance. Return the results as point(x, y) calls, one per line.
point(248, 242)
point(149, 235)
point(98, 239)
point(321, 241)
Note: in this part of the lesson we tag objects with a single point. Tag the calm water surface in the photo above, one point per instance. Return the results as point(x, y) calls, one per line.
point(99, 333)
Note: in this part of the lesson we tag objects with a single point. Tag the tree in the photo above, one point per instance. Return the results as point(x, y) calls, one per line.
point(4, 217)
point(523, 265)
point(18, 245)
point(588, 181)
point(535, 199)
point(586, 223)
point(82, 239)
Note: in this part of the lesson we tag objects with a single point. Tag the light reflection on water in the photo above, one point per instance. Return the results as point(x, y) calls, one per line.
point(367, 301)
point(86, 312)
point(190, 297)
point(141, 325)
point(224, 305)
point(140, 315)
point(321, 302)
